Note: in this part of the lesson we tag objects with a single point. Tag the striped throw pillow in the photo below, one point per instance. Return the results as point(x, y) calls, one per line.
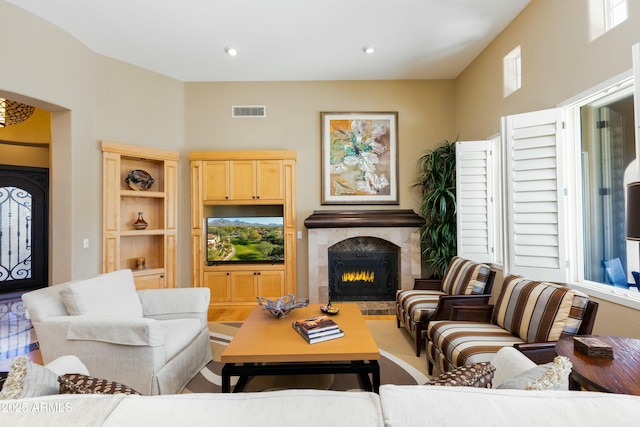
point(538, 311)
point(464, 277)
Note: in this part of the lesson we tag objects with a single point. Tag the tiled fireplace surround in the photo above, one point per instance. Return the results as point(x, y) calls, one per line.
point(326, 228)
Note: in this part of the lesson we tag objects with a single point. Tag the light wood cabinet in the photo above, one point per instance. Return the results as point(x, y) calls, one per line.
point(236, 181)
point(123, 245)
point(247, 183)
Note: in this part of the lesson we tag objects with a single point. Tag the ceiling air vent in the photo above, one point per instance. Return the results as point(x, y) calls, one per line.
point(249, 111)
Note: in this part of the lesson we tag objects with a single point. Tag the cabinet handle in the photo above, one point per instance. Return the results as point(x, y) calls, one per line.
point(227, 274)
point(226, 197)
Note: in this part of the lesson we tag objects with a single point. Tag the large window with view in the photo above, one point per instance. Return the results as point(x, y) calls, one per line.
point(607, 149)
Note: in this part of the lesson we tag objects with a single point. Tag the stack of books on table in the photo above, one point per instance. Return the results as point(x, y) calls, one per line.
point(317, 329)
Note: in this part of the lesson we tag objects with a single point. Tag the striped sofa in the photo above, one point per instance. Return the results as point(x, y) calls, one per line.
point(465, 282)
point(526, 311)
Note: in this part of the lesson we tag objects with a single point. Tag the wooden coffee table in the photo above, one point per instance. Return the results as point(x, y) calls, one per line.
point(617, 375)
point(265, 345)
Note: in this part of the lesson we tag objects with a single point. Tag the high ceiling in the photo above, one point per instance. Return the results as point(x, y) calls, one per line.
point(285, 40)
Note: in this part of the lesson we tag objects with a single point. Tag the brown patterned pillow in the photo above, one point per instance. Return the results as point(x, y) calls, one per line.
point(476, 375)
point(85, 384)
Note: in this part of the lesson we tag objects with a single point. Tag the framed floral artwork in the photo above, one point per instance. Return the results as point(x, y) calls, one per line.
point(359, 158)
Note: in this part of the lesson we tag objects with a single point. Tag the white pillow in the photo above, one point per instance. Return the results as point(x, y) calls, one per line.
point(509, 363)
point(28, 379)
point(550, 376)
point(67, 365)
point(109, 294)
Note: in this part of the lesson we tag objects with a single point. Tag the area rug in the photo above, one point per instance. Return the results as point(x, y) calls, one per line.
point(398, 364)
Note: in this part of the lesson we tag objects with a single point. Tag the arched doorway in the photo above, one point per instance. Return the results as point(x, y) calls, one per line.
point(24, 237)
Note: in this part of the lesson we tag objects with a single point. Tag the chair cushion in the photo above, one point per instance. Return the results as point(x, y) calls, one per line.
point(418, 305)
point(455, 343)
point(538, 311)
point(109, 294)
point(465, 277)
point(178, 334)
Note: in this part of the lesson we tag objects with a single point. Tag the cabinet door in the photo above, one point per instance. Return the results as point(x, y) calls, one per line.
point(269, 180)
point(271, 284)
point(218, 283)
point(151, 281)
point(242, 180)
point(215, 180)
point(243, 286)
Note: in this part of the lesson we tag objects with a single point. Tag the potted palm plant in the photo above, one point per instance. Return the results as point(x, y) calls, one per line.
point(437, 183)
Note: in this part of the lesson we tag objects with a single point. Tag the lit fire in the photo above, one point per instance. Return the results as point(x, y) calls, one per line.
point(358, 276)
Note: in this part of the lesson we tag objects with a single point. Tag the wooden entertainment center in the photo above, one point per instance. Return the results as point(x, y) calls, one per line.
point(243, 183)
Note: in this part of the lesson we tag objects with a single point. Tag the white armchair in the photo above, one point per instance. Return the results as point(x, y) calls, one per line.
point(154, 341)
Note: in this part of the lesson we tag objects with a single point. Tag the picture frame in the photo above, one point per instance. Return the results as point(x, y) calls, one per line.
point(359, 158)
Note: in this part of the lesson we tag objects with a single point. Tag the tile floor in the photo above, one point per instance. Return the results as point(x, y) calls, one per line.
point(16, 333)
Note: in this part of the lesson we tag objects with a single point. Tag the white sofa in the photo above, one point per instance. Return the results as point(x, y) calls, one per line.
point(154, 341)
point(395, 406)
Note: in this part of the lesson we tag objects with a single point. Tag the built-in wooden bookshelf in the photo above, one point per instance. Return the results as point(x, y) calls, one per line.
point(123, 245)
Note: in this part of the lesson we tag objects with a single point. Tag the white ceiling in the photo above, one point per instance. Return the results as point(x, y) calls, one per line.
point(285, 40)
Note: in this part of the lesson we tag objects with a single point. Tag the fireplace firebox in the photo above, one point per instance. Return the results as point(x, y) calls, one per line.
point(363, 269)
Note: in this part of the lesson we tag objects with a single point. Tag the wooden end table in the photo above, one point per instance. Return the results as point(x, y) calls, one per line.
point(618, 375)
point(265, 345)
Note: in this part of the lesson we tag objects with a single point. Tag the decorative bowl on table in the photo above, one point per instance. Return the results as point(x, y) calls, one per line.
point(280, 307)
point(328, 309)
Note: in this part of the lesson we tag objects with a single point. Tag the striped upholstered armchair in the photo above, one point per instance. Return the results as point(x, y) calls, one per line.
point(529, 315)
point(465, 282)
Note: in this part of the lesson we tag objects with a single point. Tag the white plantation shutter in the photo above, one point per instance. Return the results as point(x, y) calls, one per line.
point(535, 196)
point(636, 94)
point(474, 200)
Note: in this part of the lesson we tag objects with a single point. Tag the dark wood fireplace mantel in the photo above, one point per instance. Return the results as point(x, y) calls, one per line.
point(364, 218)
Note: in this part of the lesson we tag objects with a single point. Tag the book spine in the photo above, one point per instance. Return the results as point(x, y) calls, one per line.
point(326, 337)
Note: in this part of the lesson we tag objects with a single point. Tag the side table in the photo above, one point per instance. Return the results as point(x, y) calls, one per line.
point(618, 375)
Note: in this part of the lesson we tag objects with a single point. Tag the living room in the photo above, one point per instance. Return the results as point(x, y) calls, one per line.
point(92, 93)
point(87, 98)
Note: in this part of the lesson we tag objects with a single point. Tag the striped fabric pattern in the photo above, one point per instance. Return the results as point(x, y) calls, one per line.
point(453, 344)
point(538, 311)
point(417, 305)
point(465, 277)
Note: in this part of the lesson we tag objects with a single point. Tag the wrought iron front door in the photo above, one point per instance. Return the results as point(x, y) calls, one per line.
point(24, 203)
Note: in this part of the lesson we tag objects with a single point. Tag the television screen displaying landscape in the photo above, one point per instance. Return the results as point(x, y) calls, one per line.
point(245, 239)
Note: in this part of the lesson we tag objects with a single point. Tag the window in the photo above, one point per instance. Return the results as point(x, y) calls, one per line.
point(607, 148)
point(616, 12)
point(565, 172)
point(512, 71)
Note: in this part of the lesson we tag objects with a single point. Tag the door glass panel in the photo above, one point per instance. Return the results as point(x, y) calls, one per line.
point(15, 234)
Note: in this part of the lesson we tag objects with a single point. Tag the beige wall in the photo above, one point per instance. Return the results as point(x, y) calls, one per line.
point(91, 98)
point(425, 117)
point(559, 61)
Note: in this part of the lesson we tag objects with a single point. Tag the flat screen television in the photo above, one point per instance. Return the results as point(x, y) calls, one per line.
point(256, 239)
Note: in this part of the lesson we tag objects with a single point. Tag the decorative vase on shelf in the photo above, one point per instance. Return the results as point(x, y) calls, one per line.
point(140, 223)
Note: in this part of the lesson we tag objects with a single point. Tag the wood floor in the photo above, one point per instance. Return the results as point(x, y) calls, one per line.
point(7, 325)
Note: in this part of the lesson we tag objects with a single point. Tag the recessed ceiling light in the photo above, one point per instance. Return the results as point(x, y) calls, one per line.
point(368, 49)
point(231, 51)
